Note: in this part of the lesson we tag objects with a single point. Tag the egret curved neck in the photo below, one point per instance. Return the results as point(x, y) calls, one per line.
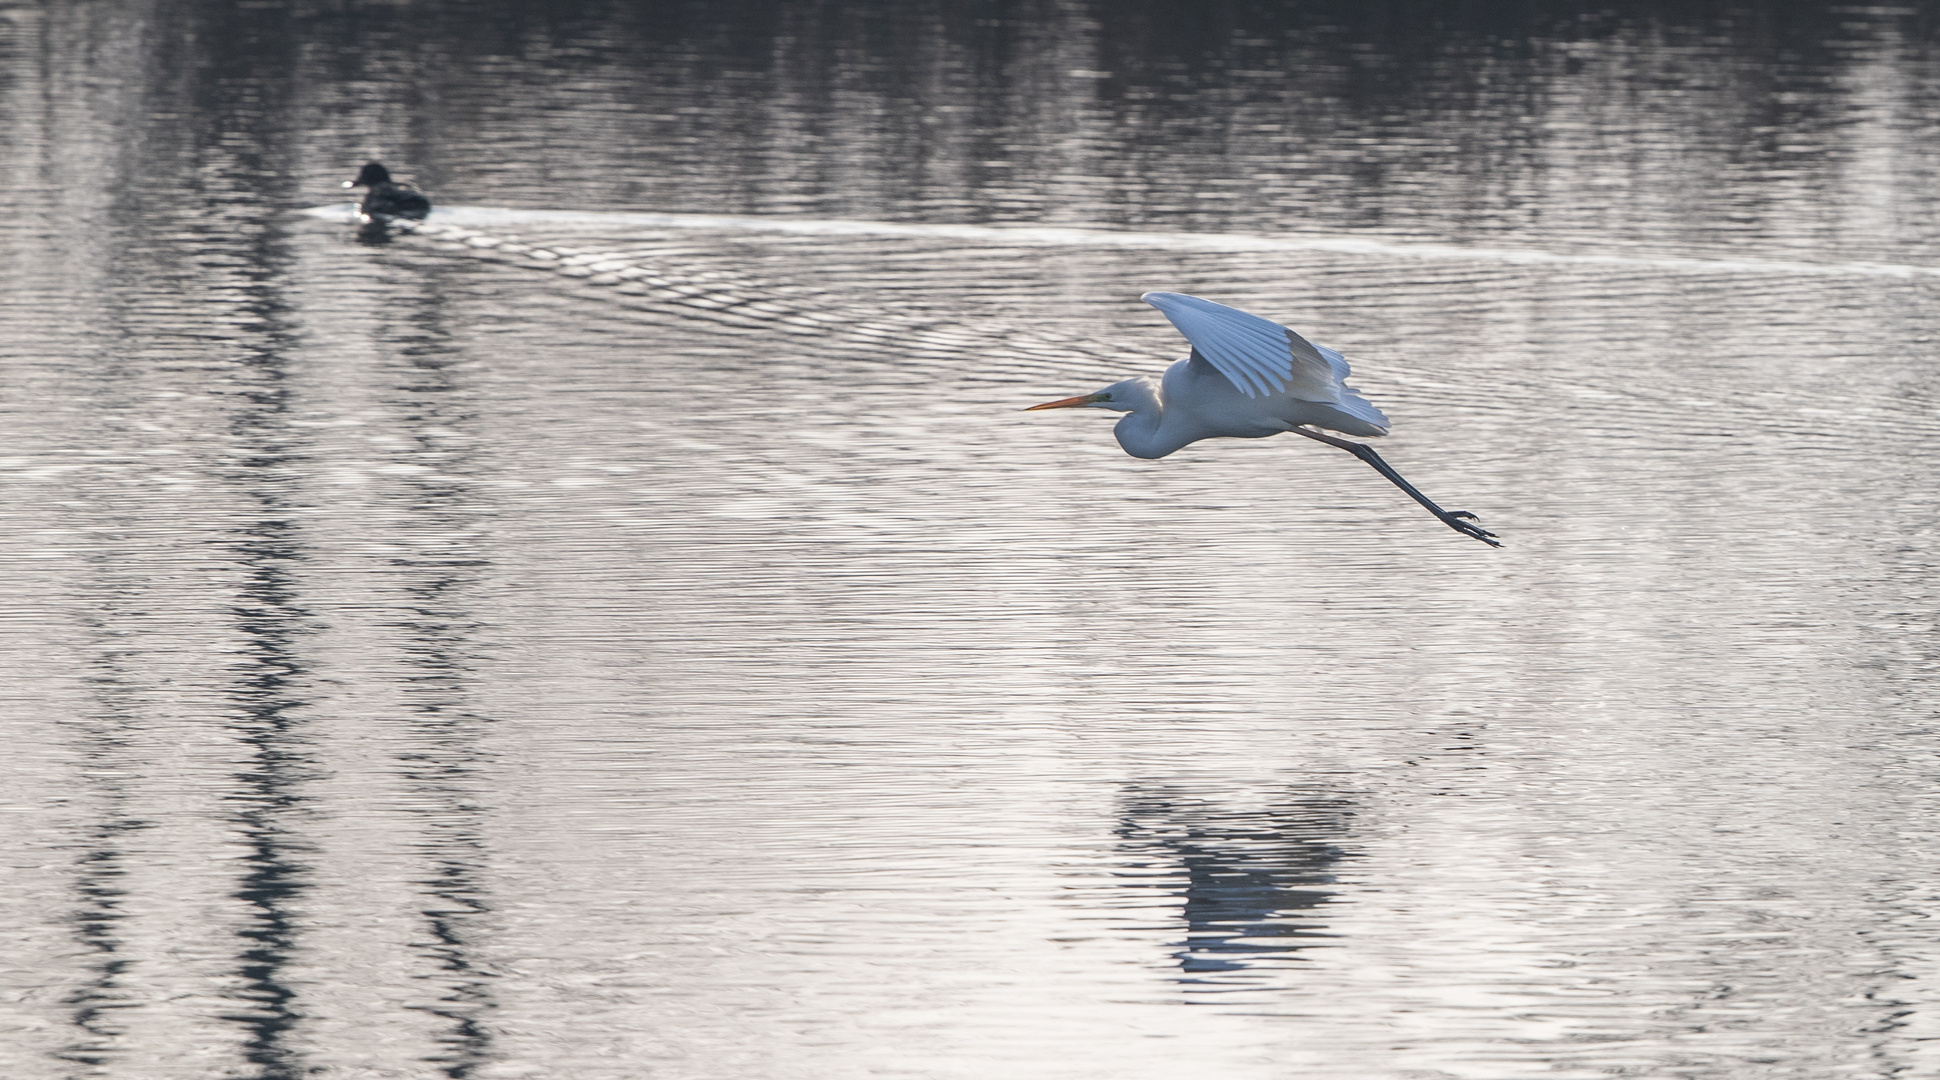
point(1142, 432)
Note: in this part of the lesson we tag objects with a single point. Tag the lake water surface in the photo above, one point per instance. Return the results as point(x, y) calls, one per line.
point(628, 627)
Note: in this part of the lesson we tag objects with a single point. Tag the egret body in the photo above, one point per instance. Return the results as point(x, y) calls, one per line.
point(1248, 378)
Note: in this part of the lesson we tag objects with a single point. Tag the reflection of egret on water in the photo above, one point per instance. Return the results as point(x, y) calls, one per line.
point(1248, 378)
point(1248, 873)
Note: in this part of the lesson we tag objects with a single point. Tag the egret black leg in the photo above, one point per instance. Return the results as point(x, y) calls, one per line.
point(1460, 520)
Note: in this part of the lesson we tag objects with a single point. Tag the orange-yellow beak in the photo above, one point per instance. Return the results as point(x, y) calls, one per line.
point(1068, 403)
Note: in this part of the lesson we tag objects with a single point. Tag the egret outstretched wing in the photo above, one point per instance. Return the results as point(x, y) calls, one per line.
point(1259, 356)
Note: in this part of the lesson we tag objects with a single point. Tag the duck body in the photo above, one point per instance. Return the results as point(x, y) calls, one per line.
point(386, 199)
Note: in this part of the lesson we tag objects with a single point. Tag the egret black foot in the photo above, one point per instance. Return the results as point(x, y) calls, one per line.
point(1464, 522)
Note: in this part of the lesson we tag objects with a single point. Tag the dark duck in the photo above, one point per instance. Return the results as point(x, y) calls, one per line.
point(385, 199)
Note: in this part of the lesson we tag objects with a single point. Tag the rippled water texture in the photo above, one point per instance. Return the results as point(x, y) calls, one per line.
point(628, 628)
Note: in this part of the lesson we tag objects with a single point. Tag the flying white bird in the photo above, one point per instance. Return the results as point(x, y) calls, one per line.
point(1248, 378)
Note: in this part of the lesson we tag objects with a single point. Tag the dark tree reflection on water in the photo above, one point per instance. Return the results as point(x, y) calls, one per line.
point(105, 742)
point(269, 803)
point(270, 692)
point(442, 576)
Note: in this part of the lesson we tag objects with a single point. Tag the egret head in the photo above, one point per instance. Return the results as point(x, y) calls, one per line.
point(1125, 396)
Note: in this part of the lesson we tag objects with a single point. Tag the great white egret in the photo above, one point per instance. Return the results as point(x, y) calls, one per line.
point(1248, 378)
point(385, 199)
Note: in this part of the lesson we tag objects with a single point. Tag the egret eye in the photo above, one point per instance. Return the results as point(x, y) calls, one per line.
point(1104, 397)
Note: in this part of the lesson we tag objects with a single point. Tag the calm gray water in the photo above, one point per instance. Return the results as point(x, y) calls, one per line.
point(629, 629)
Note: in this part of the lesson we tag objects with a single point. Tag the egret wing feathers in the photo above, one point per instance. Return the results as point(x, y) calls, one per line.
point(1261, 357)
point(1351, 402)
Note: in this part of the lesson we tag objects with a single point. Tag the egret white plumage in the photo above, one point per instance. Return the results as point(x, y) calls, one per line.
point(1248, 378)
